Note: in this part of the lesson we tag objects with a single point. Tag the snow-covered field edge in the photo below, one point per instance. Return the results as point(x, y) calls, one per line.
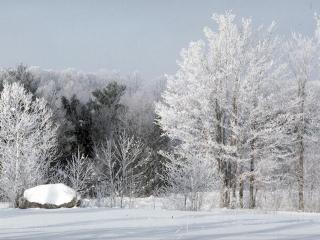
point(278, 201)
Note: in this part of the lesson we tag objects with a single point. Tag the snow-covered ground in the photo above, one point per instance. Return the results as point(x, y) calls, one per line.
point(104, 223)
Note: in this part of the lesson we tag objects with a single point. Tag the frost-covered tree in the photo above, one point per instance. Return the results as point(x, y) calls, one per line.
point(120, 166)
point(303, 98)
point(27, 140)
point(189, 177)
point(106, 170)
point(22, 75)
point(259, 114)
point(78, 173)
point(201, 105)
point(129, 155)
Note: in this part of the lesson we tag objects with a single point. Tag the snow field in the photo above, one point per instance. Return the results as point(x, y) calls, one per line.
point(104, 223)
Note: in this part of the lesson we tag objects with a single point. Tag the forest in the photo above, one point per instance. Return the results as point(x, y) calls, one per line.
point(238, 124)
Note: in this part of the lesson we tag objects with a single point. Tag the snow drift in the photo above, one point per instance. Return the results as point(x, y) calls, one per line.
point(49, 196)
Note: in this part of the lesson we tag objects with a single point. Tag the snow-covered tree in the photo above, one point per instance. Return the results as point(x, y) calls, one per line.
point(190, 178)
point(22, 75)
point(259, 118)
point(303, 99)
point(106, 169)
point(27, 140)
point(129, 155)
point(201, 105)
point(120, 166)
point(78, 173)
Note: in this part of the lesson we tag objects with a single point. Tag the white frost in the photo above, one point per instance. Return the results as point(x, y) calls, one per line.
point(50, 193)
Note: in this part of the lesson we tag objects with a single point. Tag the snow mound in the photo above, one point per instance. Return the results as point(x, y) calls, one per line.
point(56, 194)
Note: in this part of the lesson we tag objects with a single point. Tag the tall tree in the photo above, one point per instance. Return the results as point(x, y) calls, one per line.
point(130, 163)
point(77, 133)
point(106, 109)
point(27, 140)
point(303, 62)
point(155, 172)
point(201, 105)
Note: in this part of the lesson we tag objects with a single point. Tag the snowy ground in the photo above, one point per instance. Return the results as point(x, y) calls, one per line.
point(104, 223)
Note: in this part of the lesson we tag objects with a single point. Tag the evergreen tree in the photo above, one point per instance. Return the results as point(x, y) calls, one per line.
point(77, 129)
point(107, 111)
point(23, 76)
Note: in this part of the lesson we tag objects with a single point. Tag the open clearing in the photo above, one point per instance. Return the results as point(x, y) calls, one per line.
point(103, 223)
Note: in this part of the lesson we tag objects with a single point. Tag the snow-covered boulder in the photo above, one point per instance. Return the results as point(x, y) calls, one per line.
point(49, 196)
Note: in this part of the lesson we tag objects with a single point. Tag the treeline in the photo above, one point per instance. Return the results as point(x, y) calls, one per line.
point(100, 126)
point(240, 117)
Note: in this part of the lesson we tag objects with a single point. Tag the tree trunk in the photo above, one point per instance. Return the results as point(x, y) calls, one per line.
point(301, 131)
point(223, 166)
point(185, 202)
point(234, 197)
point(233, 185)
point(301, 176)
point(233, 143)
point(121, 201)
point(226, 198)
point(224, 189)
point(252, 201)
point(241, 183)
point(241, 193)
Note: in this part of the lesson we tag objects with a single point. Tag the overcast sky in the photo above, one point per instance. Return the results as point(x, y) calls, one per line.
point(142, 35)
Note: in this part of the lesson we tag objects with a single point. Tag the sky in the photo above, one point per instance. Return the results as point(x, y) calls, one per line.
point(133, 35)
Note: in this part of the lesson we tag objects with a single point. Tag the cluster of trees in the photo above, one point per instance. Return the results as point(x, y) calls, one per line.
point(243, 114)
point(240, 116)
point(103, 142)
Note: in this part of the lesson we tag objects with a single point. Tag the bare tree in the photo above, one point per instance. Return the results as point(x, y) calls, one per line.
point(105, 168)
point(78, 173)
point(190, 177)
point(130, 160)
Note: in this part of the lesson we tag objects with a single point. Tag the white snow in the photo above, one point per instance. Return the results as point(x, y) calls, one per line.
point(140, 224)
point(50, 193)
